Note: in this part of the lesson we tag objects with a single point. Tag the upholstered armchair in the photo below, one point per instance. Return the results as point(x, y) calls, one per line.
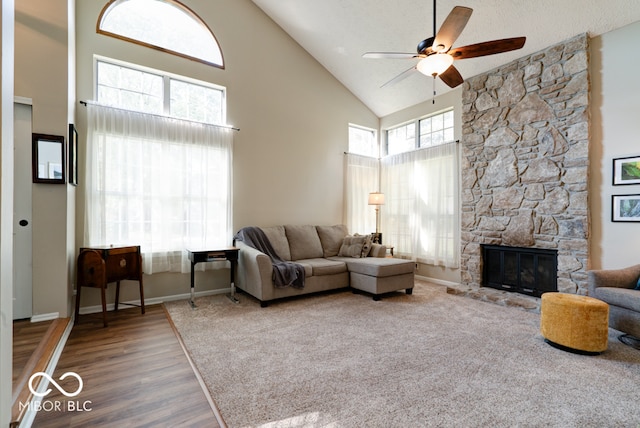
point(617, 287)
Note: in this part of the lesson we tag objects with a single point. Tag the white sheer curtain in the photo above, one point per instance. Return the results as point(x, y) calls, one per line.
point(420, 214)
point(361, 178)
point(157, 182)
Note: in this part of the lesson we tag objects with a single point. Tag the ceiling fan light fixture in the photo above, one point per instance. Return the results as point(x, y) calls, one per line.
point(435, 64)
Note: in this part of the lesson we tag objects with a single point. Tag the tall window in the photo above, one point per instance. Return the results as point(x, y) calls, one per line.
point(166, 25)
point(420, 182)
point(420, 215)
point(160, 182)
point(362, 168)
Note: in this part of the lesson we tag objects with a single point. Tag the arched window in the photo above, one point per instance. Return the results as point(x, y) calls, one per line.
point(166, 25)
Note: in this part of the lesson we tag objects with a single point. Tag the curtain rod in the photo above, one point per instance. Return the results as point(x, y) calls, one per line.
point(85, 103)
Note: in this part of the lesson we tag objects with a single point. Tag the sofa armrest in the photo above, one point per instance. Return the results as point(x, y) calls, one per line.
point(254, 270)
point(620, 278)
point(378, 250)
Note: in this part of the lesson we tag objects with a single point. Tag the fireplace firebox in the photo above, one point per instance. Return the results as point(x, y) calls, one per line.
point(530, 271)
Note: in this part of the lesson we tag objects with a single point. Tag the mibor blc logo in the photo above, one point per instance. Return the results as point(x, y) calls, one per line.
point(56, 405)
point(50, 379)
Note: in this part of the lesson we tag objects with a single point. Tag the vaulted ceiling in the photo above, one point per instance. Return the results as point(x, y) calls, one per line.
point(338, 32)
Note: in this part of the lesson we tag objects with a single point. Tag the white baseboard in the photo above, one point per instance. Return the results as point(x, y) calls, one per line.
point(153, 300)
point(45, 317)
point(436, 280)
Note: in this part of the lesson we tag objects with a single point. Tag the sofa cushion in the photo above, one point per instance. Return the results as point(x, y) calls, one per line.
point(322, 266)
point(278, 239)
point(304, 242)
point(331, 238)
point(623, 297)
point(355, 246)
point(378, 267)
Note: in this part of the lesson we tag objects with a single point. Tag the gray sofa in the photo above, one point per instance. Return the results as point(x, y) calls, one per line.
point(331, 258)
point(616, 287)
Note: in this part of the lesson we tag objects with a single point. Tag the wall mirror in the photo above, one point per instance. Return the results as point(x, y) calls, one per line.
point(48, 159)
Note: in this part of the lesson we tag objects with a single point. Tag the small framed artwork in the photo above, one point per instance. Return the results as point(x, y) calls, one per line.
point(73, 155)
point(48, 159)
point(625, 208)
point(626, 170)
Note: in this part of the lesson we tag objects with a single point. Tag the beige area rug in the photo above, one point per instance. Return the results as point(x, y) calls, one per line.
point(424, 360)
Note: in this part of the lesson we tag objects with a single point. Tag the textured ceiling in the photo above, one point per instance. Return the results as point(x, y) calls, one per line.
point(338, 32)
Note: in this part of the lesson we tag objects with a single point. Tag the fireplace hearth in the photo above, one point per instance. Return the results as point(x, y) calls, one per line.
point(530, 271)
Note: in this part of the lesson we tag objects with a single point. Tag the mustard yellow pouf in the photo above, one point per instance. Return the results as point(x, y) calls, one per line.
point(577, 323)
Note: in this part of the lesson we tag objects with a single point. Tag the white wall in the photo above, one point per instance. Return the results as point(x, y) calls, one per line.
point(615, 130)
point(293, 117)
point(6, 209)
point(42, 73)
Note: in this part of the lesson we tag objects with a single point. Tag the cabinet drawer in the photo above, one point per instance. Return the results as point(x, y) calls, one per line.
point(122, 266)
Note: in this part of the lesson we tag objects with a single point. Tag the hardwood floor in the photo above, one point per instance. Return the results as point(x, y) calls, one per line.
point(26, 337)
point(135, 373)
point(34, 345)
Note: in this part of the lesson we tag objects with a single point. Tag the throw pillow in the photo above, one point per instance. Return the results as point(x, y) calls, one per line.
point(331, 238)
point(638, 285)
point(352, 246)
point(366, 247)
point(304, 242)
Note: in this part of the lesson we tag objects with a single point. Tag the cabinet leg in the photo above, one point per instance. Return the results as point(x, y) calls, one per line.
point(117, 294)
point(141, 295)
point(104, 305)
point(77, 301)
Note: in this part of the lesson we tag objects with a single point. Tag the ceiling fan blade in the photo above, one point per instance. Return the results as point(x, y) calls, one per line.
point(389, 55)
point(400, 77)
point(451, 28)
point(452, 77)
point(488, 48)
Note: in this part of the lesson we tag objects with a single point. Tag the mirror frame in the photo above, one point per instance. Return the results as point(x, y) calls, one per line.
point(36, 139)
point(73, 155)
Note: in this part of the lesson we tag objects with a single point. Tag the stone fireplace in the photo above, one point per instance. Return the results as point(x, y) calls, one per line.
point(525, 158)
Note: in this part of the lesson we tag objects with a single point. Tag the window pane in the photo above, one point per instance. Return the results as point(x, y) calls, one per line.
point(448, 119)
point(130, 89)
point(425, 126)
point(426, 140)
point(196, 102)
point(436, 129)
point(362, 141)
point(164, 24)
point(401, 139)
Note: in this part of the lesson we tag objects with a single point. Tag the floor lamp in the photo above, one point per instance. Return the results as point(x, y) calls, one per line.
point(376, 199)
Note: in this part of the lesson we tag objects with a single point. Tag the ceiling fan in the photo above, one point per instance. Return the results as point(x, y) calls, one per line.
point(436, 53)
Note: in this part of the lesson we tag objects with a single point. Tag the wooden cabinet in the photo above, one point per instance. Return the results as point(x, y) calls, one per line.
point(99, 266)
point(121, 262)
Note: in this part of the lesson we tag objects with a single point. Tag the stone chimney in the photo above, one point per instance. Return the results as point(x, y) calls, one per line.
point(525, 159)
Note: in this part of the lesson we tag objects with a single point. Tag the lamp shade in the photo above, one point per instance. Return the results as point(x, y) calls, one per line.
point(435, 64)
point(376, 198)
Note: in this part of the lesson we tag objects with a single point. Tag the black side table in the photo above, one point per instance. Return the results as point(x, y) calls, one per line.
point(197, 256)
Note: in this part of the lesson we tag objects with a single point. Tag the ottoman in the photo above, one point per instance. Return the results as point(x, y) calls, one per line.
point(378, 275)
point(574, 323)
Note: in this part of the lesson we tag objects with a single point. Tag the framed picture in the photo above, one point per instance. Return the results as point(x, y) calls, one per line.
point(48, 159)
point(626, 170)
point(625, 208)
point(73, 155)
